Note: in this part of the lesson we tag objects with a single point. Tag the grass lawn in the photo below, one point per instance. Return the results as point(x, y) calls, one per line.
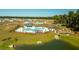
point(72, 39)
point(33, 38)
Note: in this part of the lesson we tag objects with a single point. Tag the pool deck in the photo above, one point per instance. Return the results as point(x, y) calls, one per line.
point(32, 29)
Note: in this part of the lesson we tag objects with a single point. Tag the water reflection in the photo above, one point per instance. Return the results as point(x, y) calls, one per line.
point(54, 45)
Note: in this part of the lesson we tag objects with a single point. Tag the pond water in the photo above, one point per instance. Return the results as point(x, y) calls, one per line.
point(54, 45)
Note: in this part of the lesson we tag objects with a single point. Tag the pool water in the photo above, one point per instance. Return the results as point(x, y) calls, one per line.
point(32, 29)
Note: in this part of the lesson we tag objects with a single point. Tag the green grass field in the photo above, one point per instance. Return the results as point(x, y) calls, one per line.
point(72, 39)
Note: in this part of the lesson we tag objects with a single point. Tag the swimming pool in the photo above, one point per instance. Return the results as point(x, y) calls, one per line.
point(32, 29)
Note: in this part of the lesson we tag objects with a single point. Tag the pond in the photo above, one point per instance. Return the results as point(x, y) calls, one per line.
point(54, 45)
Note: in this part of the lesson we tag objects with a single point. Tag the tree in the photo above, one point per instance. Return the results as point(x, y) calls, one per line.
point(70, 20)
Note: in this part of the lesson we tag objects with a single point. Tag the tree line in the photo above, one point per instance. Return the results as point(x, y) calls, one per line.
point(26, 17)
point(70, 20)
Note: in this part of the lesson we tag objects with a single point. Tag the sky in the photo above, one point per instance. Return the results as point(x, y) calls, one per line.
point(33, 12)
